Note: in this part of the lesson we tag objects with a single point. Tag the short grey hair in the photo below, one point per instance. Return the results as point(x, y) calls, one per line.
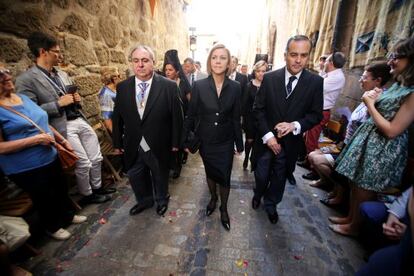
point(142, 47)
point(298, 38)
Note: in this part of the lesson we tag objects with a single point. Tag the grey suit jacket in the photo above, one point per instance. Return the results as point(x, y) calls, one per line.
point(34, 84)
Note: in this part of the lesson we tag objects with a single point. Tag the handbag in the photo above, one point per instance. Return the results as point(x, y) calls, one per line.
point(67, 157)
point(193, 141)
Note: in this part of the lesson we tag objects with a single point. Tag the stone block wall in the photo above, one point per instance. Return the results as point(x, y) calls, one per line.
point(92, 34)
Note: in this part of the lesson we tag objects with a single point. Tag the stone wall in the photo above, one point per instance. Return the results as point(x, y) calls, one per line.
point(92, 34)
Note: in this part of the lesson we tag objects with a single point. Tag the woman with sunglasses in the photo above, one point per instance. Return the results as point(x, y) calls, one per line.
point(375, 157)
point(29, 158)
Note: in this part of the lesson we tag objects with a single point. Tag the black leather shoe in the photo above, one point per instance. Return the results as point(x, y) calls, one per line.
point(139, 207)
point(311, 176)
point(104, 191)
point(273, 218)
point(211, 207)
point(161, 209)
point(176, 175)
point(245, 163)
point(291, 179)
point(255, 203)
point(225, 220)
point(94, 199)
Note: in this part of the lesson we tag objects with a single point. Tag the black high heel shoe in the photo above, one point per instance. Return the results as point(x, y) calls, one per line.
point(225, 220)
point(211, 206)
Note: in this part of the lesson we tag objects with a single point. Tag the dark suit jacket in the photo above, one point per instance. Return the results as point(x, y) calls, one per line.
point(161, 123)
point(219, 118)
point(271, 107)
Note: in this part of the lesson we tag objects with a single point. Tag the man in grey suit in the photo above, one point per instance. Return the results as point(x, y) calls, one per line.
point(44, 86)
point(191, 72)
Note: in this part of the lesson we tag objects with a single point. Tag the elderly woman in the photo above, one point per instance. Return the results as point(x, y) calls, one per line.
point(376, 155)
point(173, 71)
point(248, 119)
point(110, 78)
point(29, 158)
point(215, 108)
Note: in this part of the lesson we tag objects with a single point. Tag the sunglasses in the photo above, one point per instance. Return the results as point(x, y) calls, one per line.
point(394, 56)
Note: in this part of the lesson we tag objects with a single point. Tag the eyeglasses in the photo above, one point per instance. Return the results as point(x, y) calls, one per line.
point(54, 51)
point(364, 78)
point(394, 56)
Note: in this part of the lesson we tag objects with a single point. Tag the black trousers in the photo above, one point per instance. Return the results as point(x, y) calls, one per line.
point(148, 178)
point(270, 178)
point(48, 190)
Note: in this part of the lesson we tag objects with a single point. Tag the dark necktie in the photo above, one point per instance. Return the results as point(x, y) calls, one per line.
point(192, 79)
point(289, 86)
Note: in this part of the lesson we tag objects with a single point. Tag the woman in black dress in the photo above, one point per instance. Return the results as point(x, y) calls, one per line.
point(172, 70)
point(214, 111)
point(248, 119)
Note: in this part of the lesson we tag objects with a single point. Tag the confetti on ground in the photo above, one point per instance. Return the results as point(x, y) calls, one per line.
point(245, 263)
point(173, 213)
point(103, 221)
point(239, 263)
point(243, 213)
point(298, 257)
point(241, 201)
point(314, 195)
point(170, 220)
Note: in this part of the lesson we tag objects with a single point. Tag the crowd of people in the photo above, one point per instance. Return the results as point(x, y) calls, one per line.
point(156, 118)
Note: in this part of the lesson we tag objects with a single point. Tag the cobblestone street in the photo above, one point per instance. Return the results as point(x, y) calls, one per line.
point(186, 242)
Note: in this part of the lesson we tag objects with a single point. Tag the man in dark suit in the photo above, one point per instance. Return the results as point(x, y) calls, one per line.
point(234, 75)
point(288, 103)
point(147, 124)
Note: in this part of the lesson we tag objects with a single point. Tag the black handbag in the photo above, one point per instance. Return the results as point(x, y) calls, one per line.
point(193, 141)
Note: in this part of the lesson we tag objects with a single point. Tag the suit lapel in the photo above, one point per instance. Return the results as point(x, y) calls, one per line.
point(153, 95)
point(39, 76)
point(131, 96)
point(296, 94)
point(280, 90)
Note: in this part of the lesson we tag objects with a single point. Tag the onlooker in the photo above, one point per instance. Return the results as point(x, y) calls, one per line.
point(376, 155)
point(147, 123)
point(333, 82)
point(29, 158)
point(376, 75)
point(234, 75)
point(110, 78)
point(215, 107)
point(42, 84)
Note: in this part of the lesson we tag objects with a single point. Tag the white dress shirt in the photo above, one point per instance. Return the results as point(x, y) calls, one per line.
point(297, 129)
point(333, 83)
point(141, 108)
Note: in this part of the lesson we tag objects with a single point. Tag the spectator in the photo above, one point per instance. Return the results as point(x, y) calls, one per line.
point(30, 160)
point(110, 78)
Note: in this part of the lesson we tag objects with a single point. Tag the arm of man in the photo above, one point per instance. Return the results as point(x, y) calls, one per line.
point(259, 113)
point(314, 114)
point(192, 114)
point(117, 125)
point(26, 87)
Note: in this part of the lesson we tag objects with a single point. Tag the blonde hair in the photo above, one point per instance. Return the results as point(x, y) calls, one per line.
point(215, 47)
point(259, 64)
point(108, 74)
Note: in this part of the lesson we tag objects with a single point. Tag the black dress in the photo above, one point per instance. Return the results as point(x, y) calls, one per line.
point(248, 120)
point(219, 128)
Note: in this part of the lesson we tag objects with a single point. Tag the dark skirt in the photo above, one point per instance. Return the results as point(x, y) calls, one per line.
point(218, 161)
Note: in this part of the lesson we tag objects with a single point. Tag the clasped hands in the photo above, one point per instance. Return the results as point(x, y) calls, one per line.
point(369, 97)
point(393, 228)
point(282, 129)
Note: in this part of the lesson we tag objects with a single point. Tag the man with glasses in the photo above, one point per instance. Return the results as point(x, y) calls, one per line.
point(43, 85)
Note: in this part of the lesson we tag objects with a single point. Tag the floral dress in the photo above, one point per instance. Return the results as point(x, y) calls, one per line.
point(372, 161)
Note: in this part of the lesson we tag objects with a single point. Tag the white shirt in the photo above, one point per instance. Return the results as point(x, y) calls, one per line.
point(141, 108)
point(333, 83)
point(297, 129)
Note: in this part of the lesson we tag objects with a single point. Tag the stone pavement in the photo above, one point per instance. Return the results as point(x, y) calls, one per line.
point(186, 242)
